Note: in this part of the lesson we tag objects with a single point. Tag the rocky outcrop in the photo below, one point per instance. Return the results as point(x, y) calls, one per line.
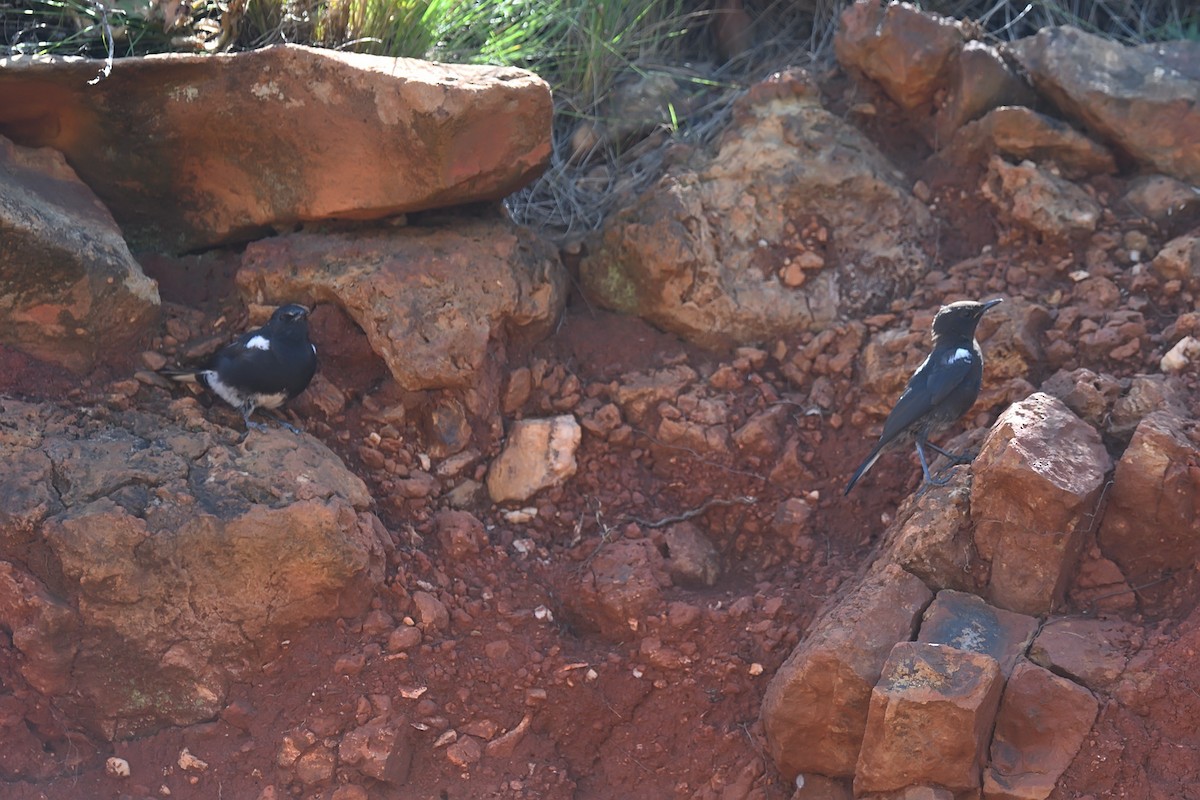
point(796, 220)
point(438, 302)
point(1025, 135)
point(1039, 200)
point(1040, 727)
point(1037, 485)
point(1153, 514)
point(815, 709)
point(190, 151)
point(70, 291)
point(930, 716)
point(1142, 99)
point(145, 561)
point(907, 52)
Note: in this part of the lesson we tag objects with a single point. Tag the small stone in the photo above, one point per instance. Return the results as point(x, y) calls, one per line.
point(432, 614)
point(403, 638)
point(539, 453)
point(465, 752)
point(117, 767)
point(187, 761)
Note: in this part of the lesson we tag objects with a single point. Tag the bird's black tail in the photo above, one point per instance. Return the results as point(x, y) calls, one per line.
point(862, 469)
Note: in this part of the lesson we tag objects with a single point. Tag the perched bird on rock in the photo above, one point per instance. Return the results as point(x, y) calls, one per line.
point(942, 389)
point(262, 368)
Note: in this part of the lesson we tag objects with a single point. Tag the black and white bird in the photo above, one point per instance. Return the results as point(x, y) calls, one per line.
point(262, 368)
point(942, 389)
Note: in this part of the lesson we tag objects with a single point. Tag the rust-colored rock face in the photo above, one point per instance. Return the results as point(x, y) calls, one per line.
point(907, 52)
point(1041, 725)
point(1152, 521)
point(433, 300)
point(1037, 482)
point(796, 220)
point(929, 718)
point(1141, 98)
point(146, 561)
point(190, 151)
point(965, 622)
point(815, 709)
point(70, 290)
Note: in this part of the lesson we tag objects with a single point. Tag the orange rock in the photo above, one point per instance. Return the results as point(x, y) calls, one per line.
point(190, 151)
point(1039, 730)
point(1037, 483)
point(815, 708)
point(930, 718)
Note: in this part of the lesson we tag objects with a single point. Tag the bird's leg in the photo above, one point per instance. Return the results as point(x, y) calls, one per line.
point(958, 458)
point(278, 417)
point(925, 464)
point(247, 409)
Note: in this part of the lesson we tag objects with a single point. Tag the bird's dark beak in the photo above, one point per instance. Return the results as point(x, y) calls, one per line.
point(991, 303)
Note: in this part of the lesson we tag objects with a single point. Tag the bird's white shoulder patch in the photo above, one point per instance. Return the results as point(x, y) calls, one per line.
point(259, 343)
point(314, 347)
point(961, 354)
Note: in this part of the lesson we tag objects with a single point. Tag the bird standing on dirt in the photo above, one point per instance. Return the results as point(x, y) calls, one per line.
point(942, 389)
point(262, 368)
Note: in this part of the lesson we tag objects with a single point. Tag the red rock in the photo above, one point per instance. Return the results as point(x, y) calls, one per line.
point(1023, 134)
point(815, 708)
point(464, 752)
point(404, 637)
point(691, 559)
point(1139, 98)
point(380, 750)
point(70, 290)
point(316, 766)
point(1088, 394)
point(964, 621)
point(1146, 394)
point(488, 279)
point(279, 135)
point(979, 80)
point(1153, 511)
point(1037, 484)
point(698, 256)
point(930, 718)
point(460, 533)
point(1093, 652)
point(432, 614)
point(1040, 727)
point(904, 50)
point(1039, 200)
point(623, 583)
point(934, 541)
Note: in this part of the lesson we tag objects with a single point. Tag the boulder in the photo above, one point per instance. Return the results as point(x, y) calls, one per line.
point(1037, 487)
point(70, 291)
point(619, 588)
point(168, 557)
point(906, 51)
point(434, 300)
point(539, 453)
point(1162, 198)
point(1153, 514)
point(964, 621)
point(930, 719)
point(932, 540)
point(815, 708)
point(189, 151)
point(979, 80)
point(1179, 260)
point(1040, 727)
point(1141, 99)
point(1039, 200)
point(795, 221)
point(1023, 134)
point(1092, 652)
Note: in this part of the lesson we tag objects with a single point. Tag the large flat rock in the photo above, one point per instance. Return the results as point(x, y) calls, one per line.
point(189, 150)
